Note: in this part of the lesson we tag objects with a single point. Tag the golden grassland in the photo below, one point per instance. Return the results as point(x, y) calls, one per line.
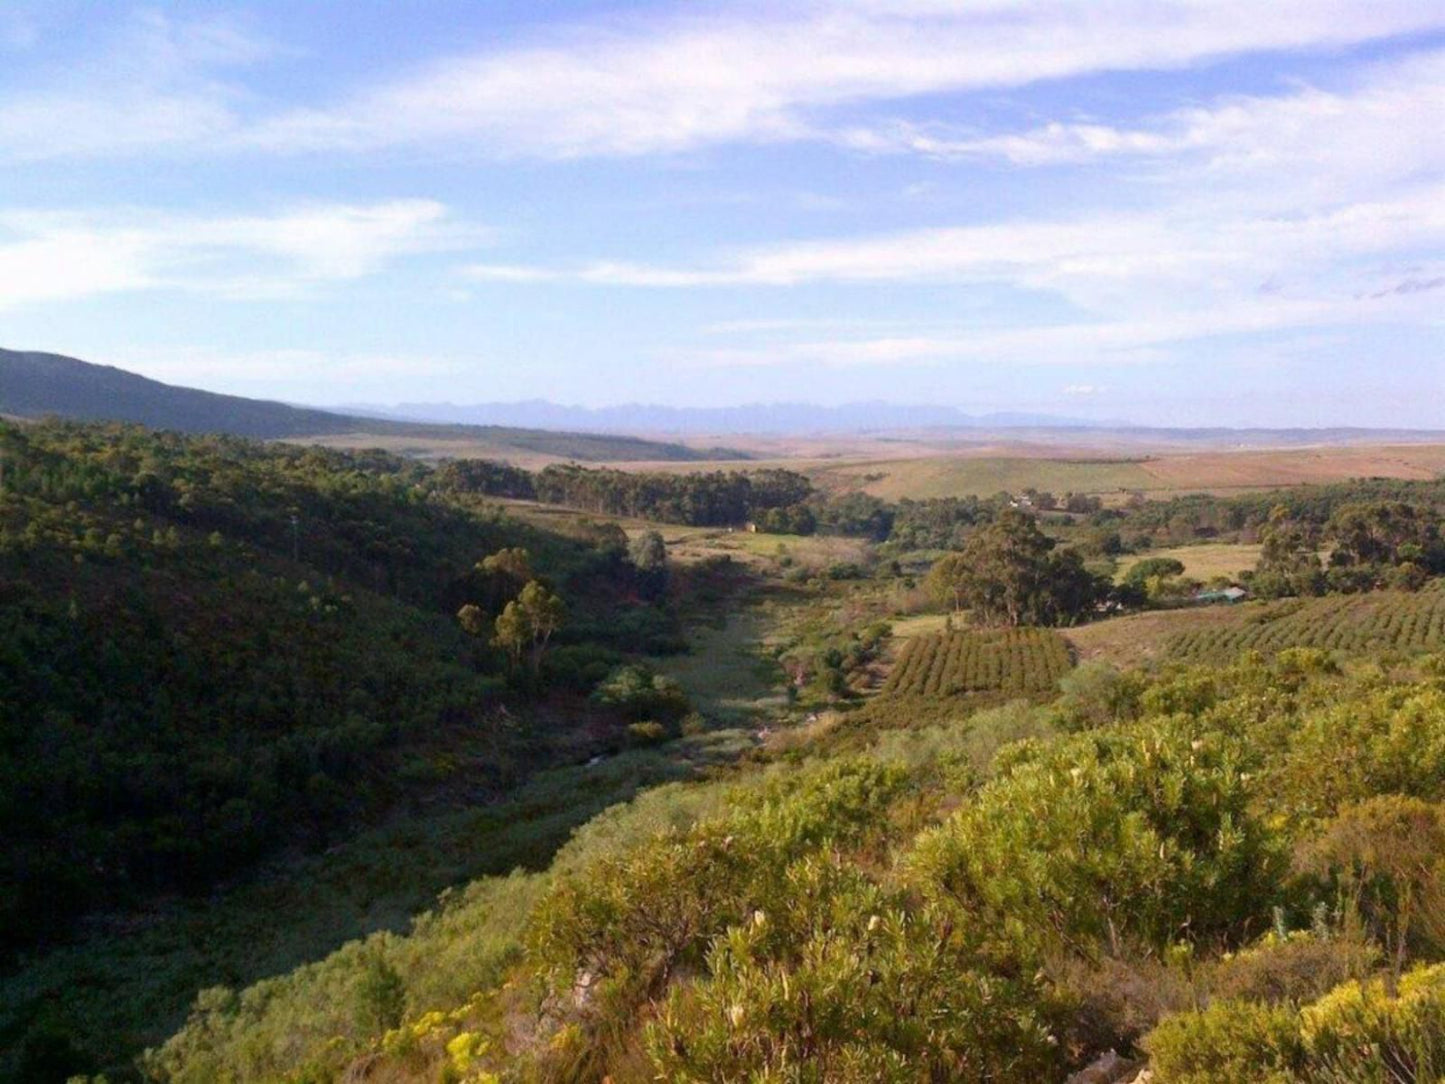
point(893, 472)
point(920, 467)
point(1142, 639)
point(1203, 561)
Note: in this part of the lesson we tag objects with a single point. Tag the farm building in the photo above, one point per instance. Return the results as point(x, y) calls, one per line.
point(1227, 594)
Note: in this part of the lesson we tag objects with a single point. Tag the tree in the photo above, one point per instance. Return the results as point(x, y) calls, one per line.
point(1006, 573)
point(1142, 571)
point(1288, 564)
point(1383, 543)
point(472, 618)
point(648, 554)
point(505, 571)
point(527, 624)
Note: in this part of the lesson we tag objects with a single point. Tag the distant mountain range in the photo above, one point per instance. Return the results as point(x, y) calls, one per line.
point(34, 385)
point(794, 419)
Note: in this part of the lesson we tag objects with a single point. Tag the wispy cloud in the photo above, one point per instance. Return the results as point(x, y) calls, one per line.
point(294, 373)
point(51, 256)
point(646, 86)
point(1383, 125)
point(1320, 196)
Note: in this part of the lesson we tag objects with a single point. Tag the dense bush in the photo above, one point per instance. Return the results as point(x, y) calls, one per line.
point(1141, 836)
point(1357, 1032)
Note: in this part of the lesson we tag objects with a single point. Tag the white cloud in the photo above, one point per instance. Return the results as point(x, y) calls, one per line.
point(52, 256)
point(659, 84)
point(1384, 126)
point(1085, 258)
point(1257, 214)
point(653, 85)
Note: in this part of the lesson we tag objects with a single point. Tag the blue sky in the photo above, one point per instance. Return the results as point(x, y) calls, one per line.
point(1173, 211)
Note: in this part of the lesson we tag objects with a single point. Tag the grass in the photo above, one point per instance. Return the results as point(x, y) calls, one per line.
point(1373, 623)
point(1204, 561)
point(918, 625)
point(937, 472)
point(726, 675)
point(1139, 639)
point(983, 476)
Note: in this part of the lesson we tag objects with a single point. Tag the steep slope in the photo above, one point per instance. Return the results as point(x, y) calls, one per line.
point(34, 384)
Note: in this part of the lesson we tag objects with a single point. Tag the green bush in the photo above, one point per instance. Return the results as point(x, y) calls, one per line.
point(1355, 1034)
point(1140, 834)
point(1236, 1041)
point(846, 983)
point(638, 694)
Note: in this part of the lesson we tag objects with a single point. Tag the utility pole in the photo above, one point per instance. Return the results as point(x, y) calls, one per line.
point(295, 538)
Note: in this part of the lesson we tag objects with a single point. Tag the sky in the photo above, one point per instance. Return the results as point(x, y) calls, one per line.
point(1176, 212)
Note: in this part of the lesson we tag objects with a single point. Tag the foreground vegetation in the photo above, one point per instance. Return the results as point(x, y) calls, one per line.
point(1176, 865)
point(263, 705)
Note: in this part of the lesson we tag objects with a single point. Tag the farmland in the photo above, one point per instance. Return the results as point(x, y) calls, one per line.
point(1381, 621)
point(954, 476)
point(1016, 662)
point(894, 470)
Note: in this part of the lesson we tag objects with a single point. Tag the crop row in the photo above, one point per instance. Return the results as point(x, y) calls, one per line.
point(1380, 621)
point(1017, 661)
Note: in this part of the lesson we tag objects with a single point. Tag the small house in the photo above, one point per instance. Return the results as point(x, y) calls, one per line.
point(1227, 595)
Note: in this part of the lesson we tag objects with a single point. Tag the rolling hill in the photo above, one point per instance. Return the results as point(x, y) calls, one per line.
point(35, 384)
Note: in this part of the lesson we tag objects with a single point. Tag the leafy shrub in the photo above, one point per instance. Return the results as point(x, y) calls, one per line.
point(646, 733)
point(1292, 969)
point(1230, 1040)
point(849, 984)
point(638, 693)
point(1355, 1033)
point(1144, 833)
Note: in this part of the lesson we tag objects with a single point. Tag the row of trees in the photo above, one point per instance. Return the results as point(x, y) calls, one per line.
point(1369, 545)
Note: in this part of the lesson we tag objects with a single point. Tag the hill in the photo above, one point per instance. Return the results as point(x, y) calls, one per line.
point(34, 384)
point(749, 418)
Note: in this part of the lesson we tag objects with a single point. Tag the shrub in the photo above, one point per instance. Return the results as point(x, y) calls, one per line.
point(639, 694)
point(849, 984)
point(1143, 833)
point(648, 733)
point(1228, 1041)
point(1354, 1034)
point(1292, 969)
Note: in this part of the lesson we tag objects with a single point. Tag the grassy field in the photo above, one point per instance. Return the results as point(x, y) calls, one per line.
point(905, 628)
point(727, 675)
point(961, 476)
point(916, 470)
point(1261, 469)
point(1139, 639)
point(1204, 561)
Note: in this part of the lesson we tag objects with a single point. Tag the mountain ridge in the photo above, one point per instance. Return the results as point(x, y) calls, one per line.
point(38, 384)
point(793, 418)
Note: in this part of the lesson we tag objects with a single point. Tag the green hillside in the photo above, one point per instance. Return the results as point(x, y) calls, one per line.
point(211, 649)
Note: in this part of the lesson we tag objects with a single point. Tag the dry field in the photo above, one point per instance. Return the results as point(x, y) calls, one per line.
point(1255, 469)
point(1204, 561)
point(1141, 639)
point(898, 469)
